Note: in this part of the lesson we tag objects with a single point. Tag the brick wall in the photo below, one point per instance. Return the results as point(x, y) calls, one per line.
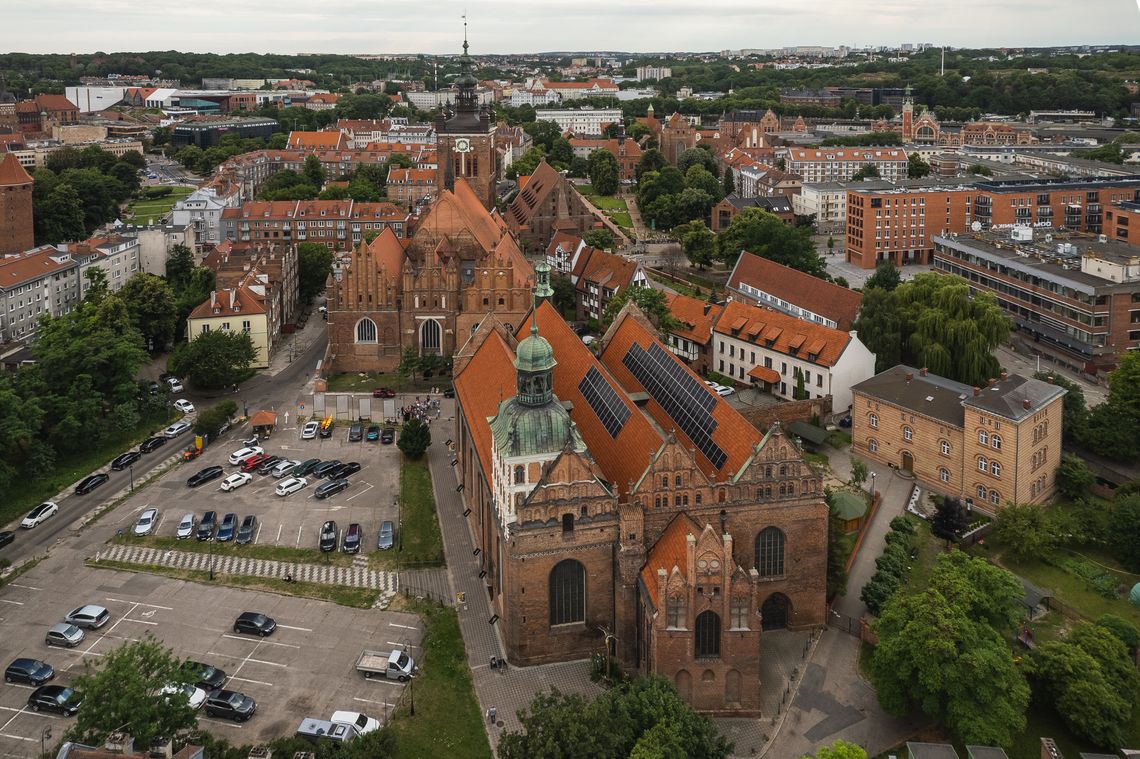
point(787, 412)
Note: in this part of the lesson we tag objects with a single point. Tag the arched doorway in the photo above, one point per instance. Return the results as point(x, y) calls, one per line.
point(907, 462)
point(430, 338)
point(684, 682)
point(732, 687)
point(775, 611)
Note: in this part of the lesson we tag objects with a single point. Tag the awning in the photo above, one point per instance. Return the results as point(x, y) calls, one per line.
point(764, 374)
point(264, 419)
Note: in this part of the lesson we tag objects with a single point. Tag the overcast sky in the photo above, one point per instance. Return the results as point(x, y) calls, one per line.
point(518, 26)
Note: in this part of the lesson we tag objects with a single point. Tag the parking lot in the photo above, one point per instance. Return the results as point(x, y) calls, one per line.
point(305, 668)
point(291, 521)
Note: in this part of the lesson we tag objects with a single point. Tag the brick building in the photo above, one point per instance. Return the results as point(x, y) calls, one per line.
point(993, 445)
point(17, 231)
point(338, 224)
point(730, 207)
point(590, 517)
point(1119, 217)
point(547, 204)
point(407, 187)
point(692, 340)
point(627, 152)
point(465, 139)
point(893, 224)
point(840, 164)
point(759, 281)
point(675, 136)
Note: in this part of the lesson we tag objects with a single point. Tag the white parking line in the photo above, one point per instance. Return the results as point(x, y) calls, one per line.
point(141, 622)
point(382, 681)
point(140, 603)
point(280, 527)
point(362, 492)
point(255, 682)
point(290, 627)
point(298, 543)
point(17, 737)
point(14, 603)
point(400, 645)
point(25, 587)
point(368, 701)
point(266, 642)
point(406, 627)
point(222, 722)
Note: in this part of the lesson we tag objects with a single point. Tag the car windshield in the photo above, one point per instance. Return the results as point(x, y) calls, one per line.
point(402, 661)
point(64, 695)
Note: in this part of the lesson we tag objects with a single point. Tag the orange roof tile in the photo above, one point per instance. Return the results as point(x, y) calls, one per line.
point(608, 269)
point(696, 316)
point(12, 173)
point(387, 251)
point(16, 271)
point(332, 140)
point(488, 379)
point(236, 302)
point(764, 373)
point(829, 300)
point(568, 242)
point(785, 333)
point(670, 550)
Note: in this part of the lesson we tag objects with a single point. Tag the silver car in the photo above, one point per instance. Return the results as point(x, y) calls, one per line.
point(147, 520)
point(64, 634)
point(186, 527)
point(283, 468)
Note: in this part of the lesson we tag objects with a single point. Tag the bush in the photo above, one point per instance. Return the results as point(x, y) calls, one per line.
point(1122, 629)
point(1099, 580)
point(893, 538)
point(158, 192)
point(903, 525)
point(211, 420)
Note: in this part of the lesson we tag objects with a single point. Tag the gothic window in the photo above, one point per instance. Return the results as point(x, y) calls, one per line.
point(783, 470)
point(708, 634)
point(770, 552)
point(664, 480)
point(366, 331)
point(677, 481)
point(697, 498)
point(567, 523)
point(430, 335)
point(567, 593)
point(676, 500)
point(675, 611)
point(739, 614)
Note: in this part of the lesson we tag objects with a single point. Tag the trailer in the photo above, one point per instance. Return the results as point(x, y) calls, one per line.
point(394, 665)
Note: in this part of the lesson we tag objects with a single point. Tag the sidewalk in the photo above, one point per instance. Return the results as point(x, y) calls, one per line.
point(291, 346)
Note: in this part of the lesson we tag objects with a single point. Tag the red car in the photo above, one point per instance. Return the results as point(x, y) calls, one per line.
point(253, 462)
point(383, 392)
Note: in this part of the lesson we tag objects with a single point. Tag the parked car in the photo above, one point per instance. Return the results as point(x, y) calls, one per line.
point(327, 539)
point(383, 392)
point(326, 430)
point(151, 444)
point(227, 527)
point(247, 530)
point(147, 521)
point(124, 460)
point(90, 616)
point(352, 538)
point(186, 527)
point(265, 467)
point(175, 384)
point(253, 462)
point(373, 433)
point(230, 704)
point(356, 432)
point(724, 391)
point(309, 431)
point(206, 676)
point(332, 487)
point(388, 436)
point(291, 485)
point(64, 634)
point(449, 392)
point(387, 537)
point(6, 537)
point(176, 429)
point(254, 623)
point(185, 406)
point(40, 514)
point(242, 454)
point(362, 723)
point(207, 526)
point(343, 471)
point(195, 696)
point(55, 698)
point(28, 672)
point(90, 483)
point(305, 467)
point(202, 476)
point(235, 481)
point(325, 467)
point(283, 468)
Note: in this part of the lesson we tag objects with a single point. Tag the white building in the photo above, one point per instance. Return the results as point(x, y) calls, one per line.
point(43, 280)
point(840, 164)
point(426, 101)
point(653, 72)
point(582, 121)
point(94, 99)
point(201, 210)
point(155, 244)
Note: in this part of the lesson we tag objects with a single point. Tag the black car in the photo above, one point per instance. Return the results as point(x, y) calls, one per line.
point(206, 676)
point(230, 704)
point(151, 444)
point(166, 377)
point(449, 392)
point(388, 436)
point(202, 476)
point(344, 470)
point(28, 672)
point(352, 537)
point(247, 530)
point(266, 466)
point(6, 537)
point(356, 433)
point(90, 483)
point(324, 431)
point(227, 527)
point(328, 537)
point(55, 698)
point(325, 467)
point(124, 460)
point(253, 623)
point(332, 487)
point(207, 526)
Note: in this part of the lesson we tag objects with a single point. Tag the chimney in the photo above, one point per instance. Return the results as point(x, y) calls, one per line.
point(909, 376)
point(161, 748)
point(1025, 404)
point(977, 391)
point(1003, 375)
point(922, 372)
point(120, 743)
point(708, 307)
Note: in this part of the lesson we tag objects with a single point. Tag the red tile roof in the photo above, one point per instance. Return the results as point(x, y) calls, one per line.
point(11, 172)
point(829, 300)
point(670, 550)
point(326, 140)
point(568, 242)
point(488, 379)
point(32, 265)
point(388, 251)
point(696, 316)
point(236, 302)
point(608, 270)
point(760, 326)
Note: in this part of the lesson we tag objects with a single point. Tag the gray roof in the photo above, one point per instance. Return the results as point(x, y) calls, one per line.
point(1033, 594)
point(1007, 397)
point(930, 750)
point(985, 752)
point(928, 395)
point(774, 203)
point(808, 432)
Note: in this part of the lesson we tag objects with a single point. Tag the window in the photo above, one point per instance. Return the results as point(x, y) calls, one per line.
point(983, 464)
point(520, 474)
point(994, 497)
point(675, 611)
point(944, 474)
point(981, 493)
point(873, 420)
point(708, 634)
point(567, 593)
point(567, 523)
point(366, 331)
point(770, 552)
point(908, 434)
point(983, 437)
point(995, 441)
point(872, 445)
point(430, 336)
point(739, 614)
point(995, 469)
point(945, 446)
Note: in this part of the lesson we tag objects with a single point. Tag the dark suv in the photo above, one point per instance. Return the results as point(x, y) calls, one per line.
point(328, 537)
point(28, 672)
point(202, 476)
point(205, 676)
point(332, 487)
point(207, 526)
point(230, 704)
point(254, 623)
point(352, 537)
point(325, 467)
point(356, 433)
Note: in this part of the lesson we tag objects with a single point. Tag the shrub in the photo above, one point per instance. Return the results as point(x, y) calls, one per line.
point(1122, 629)
point(903, 525)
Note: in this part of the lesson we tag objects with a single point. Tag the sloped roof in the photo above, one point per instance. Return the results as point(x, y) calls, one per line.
point(537, 187)
point(486, 380)
point(387, 251)
point(568, 242)
point(670, 550)
point(16, 271)
point(1007, 397)
point(461, 209)
point(263, 419)
point(608, 270)
point(331, 140)
point(11, 172)
point(928, 394)
point(239, 301)
point(761, 326)
point(696, 316)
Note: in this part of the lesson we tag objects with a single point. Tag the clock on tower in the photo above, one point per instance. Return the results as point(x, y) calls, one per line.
point(465, 139)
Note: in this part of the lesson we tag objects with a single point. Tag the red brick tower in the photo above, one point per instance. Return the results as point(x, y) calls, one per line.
point(908, 116)
point(16, 231)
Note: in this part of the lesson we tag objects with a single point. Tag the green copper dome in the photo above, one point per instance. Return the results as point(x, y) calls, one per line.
point(534, 354)
point(522, 430)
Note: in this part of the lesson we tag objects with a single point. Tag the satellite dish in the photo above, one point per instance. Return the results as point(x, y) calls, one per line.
point(976, 226)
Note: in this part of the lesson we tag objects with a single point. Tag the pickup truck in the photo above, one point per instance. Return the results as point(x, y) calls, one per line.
point(394, 665)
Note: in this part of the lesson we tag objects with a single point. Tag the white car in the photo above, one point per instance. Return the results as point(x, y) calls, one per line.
point(185, 406)
point(283, 468)
point(39, 514)
point(724, 391)
point(235, 481)
point(176, 429)
point(309, 431)
point(147, 520)
point(186, 527)
point(195, 695)
point(241, 454)
point(362, 722)
point(291, 485)
point(175, 385)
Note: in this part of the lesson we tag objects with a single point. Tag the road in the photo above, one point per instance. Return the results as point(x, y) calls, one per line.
point(169, 171)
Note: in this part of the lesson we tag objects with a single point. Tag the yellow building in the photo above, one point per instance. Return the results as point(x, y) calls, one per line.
point(238, 309)
point(987, 445)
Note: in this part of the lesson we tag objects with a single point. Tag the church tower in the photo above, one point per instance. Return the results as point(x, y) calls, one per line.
point(908, 116)
point(17, 233)
point(465, 138)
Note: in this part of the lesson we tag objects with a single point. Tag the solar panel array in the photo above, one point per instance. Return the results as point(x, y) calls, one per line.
point(688, 403)
point(604, 400)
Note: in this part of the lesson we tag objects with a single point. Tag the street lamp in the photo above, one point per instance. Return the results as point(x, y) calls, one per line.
point(132, 468)
point(872, 485)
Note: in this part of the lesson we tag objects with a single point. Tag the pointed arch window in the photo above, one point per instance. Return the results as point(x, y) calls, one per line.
point(366, 331)
point(567, 593)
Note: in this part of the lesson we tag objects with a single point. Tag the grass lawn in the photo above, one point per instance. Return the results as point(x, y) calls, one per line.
point(143, 210)
point(609, 202)
point(22, 494)
point(253, 551)
point(676, 286)
point(361, 382)
point(838, 439)
point(622, 219)
point(448, 720)
point(420, 542)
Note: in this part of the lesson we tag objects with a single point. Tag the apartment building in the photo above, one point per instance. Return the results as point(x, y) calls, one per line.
point(896, 224)
point(840, 164)
point(43, 280)
point(692, 339)
point(1119, 217)
point(202, 210)
point(1071, 204)
point(118, 256)
point(760, 282)
point(584, 122)
point(407, 187)
point(339, 224)
point(232, 310)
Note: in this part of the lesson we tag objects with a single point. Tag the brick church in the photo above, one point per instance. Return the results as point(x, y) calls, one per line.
point(617, 502)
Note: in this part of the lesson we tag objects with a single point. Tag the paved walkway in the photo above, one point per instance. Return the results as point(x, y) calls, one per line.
point(355, 576)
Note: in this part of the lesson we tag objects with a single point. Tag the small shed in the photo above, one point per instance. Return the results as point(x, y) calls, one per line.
point(813, 437)
point(985, 752)
point(849, 508)
point(263, 423)
point(1034, 599)
point(930, 751)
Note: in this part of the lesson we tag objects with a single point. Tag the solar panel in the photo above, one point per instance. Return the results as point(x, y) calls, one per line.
point(686, 401)
point(604, 400)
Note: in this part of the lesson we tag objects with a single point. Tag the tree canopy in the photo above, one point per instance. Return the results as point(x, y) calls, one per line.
point(415, 437)
point(215, 359)
point(154, 312)
point(314, 265)
point(651, 302)
point(765, 235)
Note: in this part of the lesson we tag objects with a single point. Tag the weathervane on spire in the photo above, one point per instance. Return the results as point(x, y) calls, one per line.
point(465, 31)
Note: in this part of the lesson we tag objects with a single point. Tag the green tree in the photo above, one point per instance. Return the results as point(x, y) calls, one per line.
point(765, 235)
point(1113, 427)
point(410, 363)
point(950, 519)
point(651, 160)
point(179, 264)
point(525, 164)
point(728, 184)
point(1074, 478)
point(945, 651)
point(859, 472)
point(916, 168)
point(415, 437)
point(869, 171)
point(561, 152)
point(313, 172)
point(124, 687)
point(564, 295)
point(836, 558)
point(840, 750)
point(96, 286)
point(210, 420)
point(59, 218)
point(651, 302)
point(152, 307)
point(1124, 630)
point(601, 238)
point(314, 265)
point(830, 244)
point(1025, 530)
point(886, 277)
point(603, 172)
point(215, 359)
point(696, 157)
point(798, 392)
point(698, 242)
point(1125, 529)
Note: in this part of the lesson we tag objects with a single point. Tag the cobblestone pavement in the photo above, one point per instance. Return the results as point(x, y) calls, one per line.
point(354, 576)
